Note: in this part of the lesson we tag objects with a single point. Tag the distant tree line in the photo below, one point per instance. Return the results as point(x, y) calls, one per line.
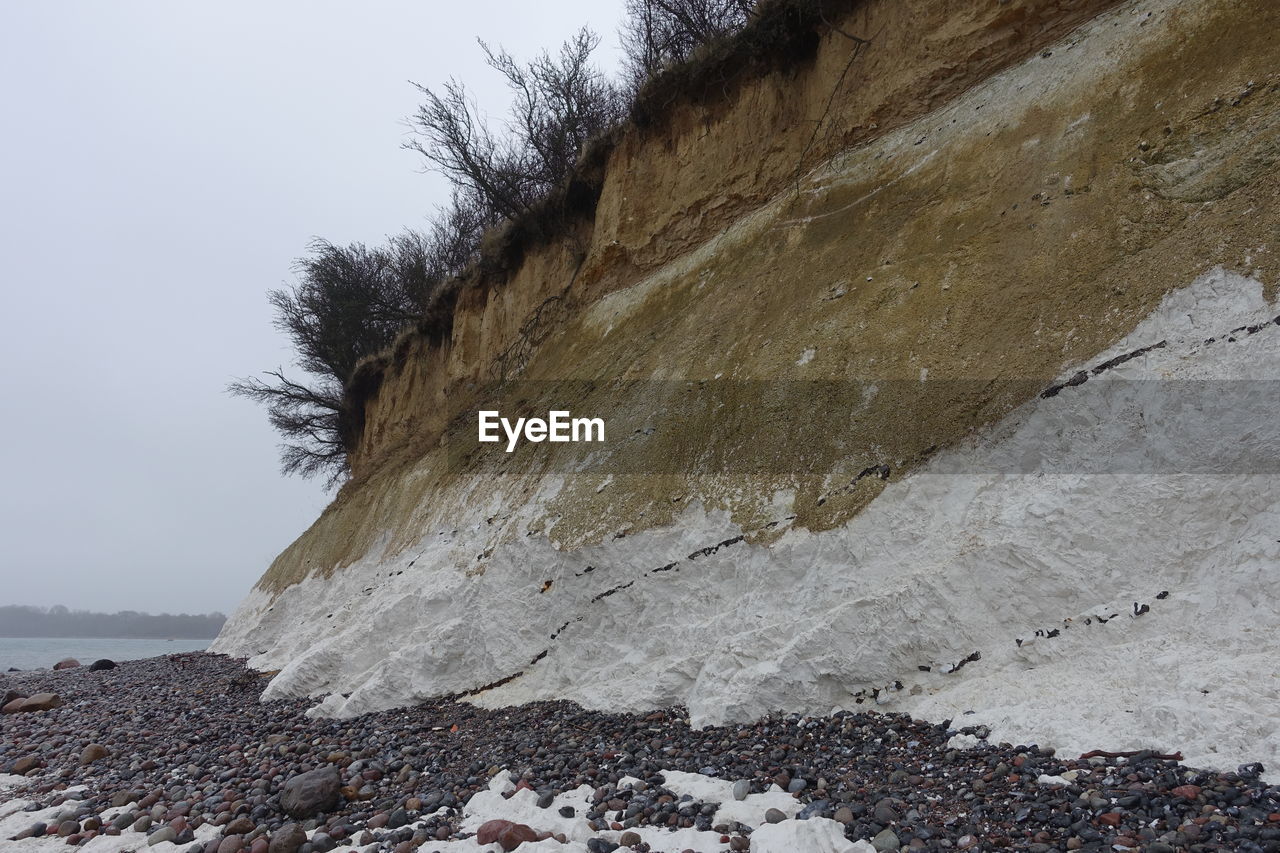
point(58, 621)
point(351, 301)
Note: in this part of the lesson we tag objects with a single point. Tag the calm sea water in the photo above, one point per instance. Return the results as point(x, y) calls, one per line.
point(44, 652)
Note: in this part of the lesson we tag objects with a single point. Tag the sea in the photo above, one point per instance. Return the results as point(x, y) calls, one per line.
point(43, 652)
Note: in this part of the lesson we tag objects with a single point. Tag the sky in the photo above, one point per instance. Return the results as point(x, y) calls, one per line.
point(161, 166)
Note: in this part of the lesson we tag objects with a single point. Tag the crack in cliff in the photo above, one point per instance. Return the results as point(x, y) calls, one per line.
point(1083, 376)
point(881, 472)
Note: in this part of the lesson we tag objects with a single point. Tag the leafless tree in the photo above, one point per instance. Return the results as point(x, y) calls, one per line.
point(309, 419)
point(657, 33)
point(347, 302)
point(559, 102)
point(453, 240)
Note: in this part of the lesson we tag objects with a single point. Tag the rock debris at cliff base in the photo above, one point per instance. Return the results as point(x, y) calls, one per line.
point(170, 754)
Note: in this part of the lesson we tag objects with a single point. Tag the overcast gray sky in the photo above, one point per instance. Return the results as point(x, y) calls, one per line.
point(161, 165)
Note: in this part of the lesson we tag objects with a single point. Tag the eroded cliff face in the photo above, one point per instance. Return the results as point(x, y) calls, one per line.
point(925, 233)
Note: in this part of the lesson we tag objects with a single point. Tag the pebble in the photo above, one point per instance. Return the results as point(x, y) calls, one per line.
point(191, 746)
point(164, 833)
point(886, 840)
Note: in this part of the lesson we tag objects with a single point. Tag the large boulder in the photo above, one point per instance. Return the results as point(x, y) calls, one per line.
point(10, 695)
point(67, 663)
point(102, 663)
point(308, 794)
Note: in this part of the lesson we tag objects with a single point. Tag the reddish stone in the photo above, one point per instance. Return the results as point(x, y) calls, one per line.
point(230, 844)
point(516, 834)
point(67, 663)
point(489, 830)
point(1187, 792)
point(507, 834)
point(242, 825)
point(1110, 819)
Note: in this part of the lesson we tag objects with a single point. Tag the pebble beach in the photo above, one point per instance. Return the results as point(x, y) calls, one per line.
point(179, 753)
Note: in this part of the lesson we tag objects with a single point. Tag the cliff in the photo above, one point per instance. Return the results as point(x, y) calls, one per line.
point(937, 366)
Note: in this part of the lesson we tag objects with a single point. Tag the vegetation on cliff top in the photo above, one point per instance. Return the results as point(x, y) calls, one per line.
point(512, 190)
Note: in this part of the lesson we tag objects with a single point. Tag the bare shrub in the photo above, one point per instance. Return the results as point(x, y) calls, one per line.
point(659, 33)
point(559, 102)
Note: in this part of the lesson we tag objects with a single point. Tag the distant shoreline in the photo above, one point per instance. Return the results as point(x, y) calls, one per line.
point(39, 653)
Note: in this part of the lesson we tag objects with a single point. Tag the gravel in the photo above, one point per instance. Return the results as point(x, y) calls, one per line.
point(184, 742)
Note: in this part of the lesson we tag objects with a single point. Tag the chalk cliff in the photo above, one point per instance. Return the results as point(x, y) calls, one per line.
point(940, 373)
